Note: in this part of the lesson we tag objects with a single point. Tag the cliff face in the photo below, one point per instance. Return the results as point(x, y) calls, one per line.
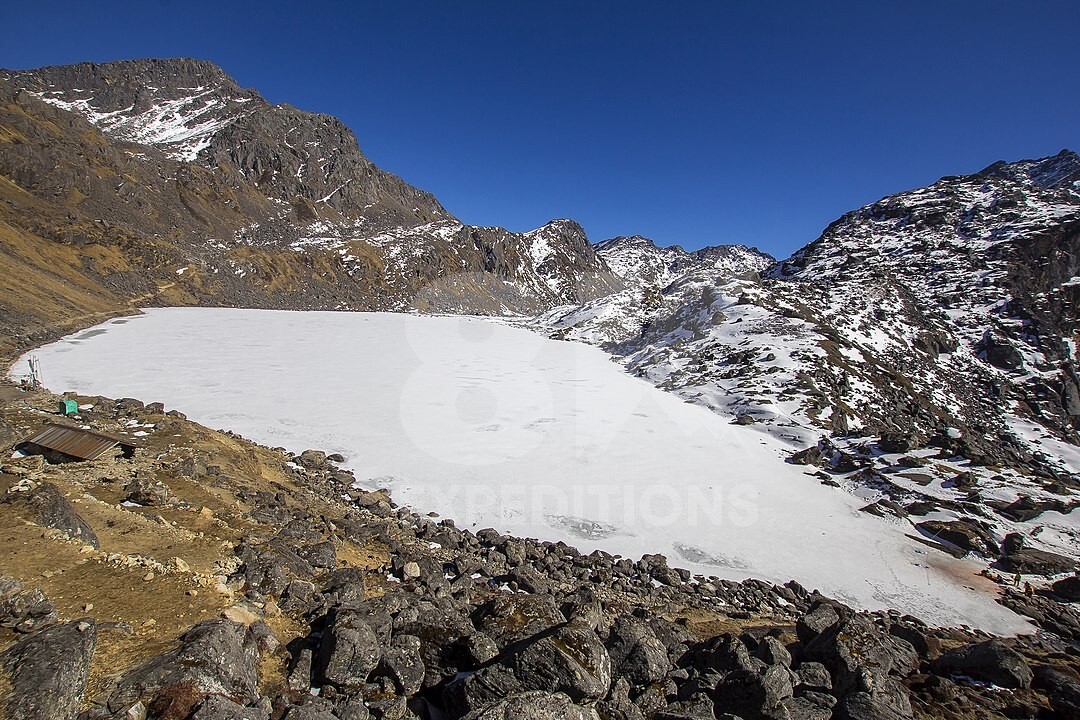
point(163, 181)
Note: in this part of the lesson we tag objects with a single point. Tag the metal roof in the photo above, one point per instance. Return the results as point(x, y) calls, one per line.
point(83, 444)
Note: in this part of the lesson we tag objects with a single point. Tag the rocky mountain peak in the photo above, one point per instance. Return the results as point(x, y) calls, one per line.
point(639, 260)
point(1058, 171)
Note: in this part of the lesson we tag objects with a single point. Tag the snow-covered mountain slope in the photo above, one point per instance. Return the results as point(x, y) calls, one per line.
point(928, 341)
point(639, 261)
point(210, 191)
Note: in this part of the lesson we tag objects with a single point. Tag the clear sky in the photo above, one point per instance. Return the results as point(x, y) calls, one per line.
point(695, 123)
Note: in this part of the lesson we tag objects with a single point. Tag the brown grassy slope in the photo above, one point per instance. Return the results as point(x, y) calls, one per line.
point(159, 569)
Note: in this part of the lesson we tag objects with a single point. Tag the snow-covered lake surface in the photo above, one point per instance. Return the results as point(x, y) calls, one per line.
point(495, 426)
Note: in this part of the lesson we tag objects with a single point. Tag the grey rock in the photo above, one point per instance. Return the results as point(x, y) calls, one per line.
point(570, 659)
point(471, 691)
point(48, 507)
point(147, 492)
point(215, 656)
point(402, 663)
point(319, 555)
point(772, 652)
point(47, 671)
point(349, 651)
point(218, 707)
point(27, 610)
point(820, 619)
point(636, 653)
point(813, 677)
point(992, 661)
point(535, 705)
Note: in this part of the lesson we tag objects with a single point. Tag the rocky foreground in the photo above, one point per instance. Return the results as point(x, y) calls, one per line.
point(208, 577)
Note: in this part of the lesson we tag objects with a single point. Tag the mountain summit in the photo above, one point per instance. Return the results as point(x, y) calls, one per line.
point(163, 181)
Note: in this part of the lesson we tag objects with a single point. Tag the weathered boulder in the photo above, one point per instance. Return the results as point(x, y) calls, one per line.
point(752, 695)
point(349, 651)
point(534, 705)
point(965, 535)
point(218, 707)
point(47, 672)
point(636, 653)
point(992, 661)
point(1062, 688)
point(1068, 588)
point(48, 507)
point(24, 610)
point(214, 657)
point(146, 492)
point(819, 619)
point(472, 691)
point(569, 659)
point(772, 652)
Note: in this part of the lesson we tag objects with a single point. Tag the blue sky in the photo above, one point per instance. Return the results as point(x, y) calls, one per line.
point(689, 122)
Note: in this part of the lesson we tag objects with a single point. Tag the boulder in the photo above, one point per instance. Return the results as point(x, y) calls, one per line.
point(636, 653)
point(218, 707)
point(965, 535)
point(48, 507)
point(214, 656)
point(146, 492)
point(534, 705)
point(349, 651)
point(569, 659)
point(47, 671)
point(1068, 588)
point(471, 691)
point(1062, 688)
point(24, 610)
point(752, 695)
point(992, 661)
point(821, 618)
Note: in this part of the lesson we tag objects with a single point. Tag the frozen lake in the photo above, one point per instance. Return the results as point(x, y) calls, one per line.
point(495, 426)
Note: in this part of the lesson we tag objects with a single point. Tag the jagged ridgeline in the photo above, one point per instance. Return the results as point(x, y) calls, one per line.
point(945, 315)
point(163, 181)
